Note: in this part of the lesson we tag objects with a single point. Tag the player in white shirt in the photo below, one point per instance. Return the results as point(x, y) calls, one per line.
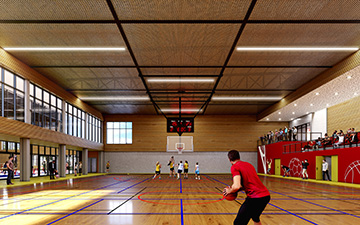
point(180, 169)
point(197, 171)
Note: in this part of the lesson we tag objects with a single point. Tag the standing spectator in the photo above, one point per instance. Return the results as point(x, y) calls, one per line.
point(80, 168)
point(304, 169)
point(269, 161)
point(286, 133)
point(272, 137)
point(325, 170)
point(10, 169)
point(294, 133)
point(290, 134)
point(107, 166)
point(52, 169)
point(76, 169)
point(281, 135)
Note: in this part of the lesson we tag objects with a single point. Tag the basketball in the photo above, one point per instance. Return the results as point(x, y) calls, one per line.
point(231, 196)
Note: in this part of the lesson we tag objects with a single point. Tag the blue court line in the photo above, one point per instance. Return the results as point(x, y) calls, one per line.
point(75, 212)
point(133, 185)
point(336, 210)
point(292, 214)
point(277, 207)
point(180, 185)
point(62, 199)
point(182, 212)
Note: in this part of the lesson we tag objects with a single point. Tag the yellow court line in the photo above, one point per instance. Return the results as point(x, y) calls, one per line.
point(314, 181)
point(45, 179)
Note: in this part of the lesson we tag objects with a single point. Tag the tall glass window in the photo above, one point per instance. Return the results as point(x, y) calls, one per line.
point(119, 132)
point(46, 109)
point(12, 95)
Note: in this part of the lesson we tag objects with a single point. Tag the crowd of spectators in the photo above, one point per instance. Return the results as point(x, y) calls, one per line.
point(283, 134)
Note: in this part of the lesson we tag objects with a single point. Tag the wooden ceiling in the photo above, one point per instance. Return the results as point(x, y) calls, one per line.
point(182, 39)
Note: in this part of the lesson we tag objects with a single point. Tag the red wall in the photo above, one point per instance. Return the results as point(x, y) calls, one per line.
point(347, 158)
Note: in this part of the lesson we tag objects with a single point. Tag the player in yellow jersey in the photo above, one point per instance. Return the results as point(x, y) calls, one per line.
point(186, 169)
point(172, 165)
point(157, 170)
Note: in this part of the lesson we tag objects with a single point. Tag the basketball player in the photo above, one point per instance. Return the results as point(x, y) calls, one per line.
point(186, 169)
point(286, 170)
point(157, 170)
point(197, 171)
point(245, 178)
point(180, 169)
point(304, 169)
point(172, 165)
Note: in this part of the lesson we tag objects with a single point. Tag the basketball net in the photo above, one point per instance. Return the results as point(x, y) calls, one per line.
point(179, 147)
point(262, 151)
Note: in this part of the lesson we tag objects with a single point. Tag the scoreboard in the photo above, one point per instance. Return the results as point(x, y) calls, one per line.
point(183, 125)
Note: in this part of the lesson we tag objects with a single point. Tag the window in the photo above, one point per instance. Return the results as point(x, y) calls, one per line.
point(11, 95)
point(119, 132)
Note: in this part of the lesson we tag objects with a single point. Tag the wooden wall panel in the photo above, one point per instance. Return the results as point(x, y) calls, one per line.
point(212, 133)
point(12, 130)
point(16, 66)
point(344, 116)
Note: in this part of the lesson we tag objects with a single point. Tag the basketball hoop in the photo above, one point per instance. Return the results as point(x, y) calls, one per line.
point(179, 147)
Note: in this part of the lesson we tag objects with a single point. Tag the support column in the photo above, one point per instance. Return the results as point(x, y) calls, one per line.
point(27, 106)
point(85, 161)
point(25, 167)
point(101, 162)
point(62, 160)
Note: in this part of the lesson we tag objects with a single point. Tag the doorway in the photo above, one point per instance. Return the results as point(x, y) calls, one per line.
point(92, 165)
point(277, 167)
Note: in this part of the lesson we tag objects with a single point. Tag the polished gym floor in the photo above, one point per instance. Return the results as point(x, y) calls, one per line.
point(138, 199)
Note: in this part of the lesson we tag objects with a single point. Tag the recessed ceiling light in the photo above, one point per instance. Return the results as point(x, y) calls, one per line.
point(291, 118)
point(279, 118)
point(295, 104)
point(279, 113)
point(355, 93)
point(64, 48)
point(293, 112)
point(307, 112)
point(311, 104)
point(327, 104)
point(348, 77)
point(267, 118)
point(297, 48)
point(336, 93)
point(115, 98)
point(199, 80)
point(317, 93)
point(246, 98)
point(182, 110)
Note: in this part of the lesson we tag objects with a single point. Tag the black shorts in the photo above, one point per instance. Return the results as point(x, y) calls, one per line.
point(186, 170)
point(171, 169)
point(157, 172)
point(251, 209)
point(179, 171)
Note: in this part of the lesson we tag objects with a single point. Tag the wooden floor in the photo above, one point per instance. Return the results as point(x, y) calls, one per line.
point(116, 199)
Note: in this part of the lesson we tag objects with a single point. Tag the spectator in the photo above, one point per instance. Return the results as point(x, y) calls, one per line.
point(285, 133)
point(318, 143)
point(294, 133)
point(340, 141)
point(334, 135)
point(325, 170)
point(290, 135)
point(327, 140)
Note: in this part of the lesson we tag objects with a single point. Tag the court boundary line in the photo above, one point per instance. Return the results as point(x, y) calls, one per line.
point(125, 201)
point(182, 212)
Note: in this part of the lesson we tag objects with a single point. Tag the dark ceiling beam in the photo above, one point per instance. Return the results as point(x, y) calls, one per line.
point(179, 21)
point(174, 67)
point(174, 91)
point(232, 49)
point(179, 92)
point(128, 46)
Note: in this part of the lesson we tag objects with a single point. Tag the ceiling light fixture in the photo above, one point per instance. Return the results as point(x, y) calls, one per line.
point(297, 48)
point(246, 98)
point(295, 104)
point(116, 98)
point(291, 118)
point(293, 112)
point(317, 93)
point(267, 118)
point(200, 80)
point(64, 49)
point(336, 93)
point(348, 77)
point(182, 110)
point(279, 118)
point(311, 104)
point(279, 113)
point(355, 93)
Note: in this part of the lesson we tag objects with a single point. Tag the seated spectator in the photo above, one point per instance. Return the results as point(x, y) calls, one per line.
point(318, 143)
point(340, 141)
point(353, 137)
point(327, 140)
point(334, 135)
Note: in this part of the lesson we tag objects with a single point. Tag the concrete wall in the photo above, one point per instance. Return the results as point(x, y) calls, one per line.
point(144, 162)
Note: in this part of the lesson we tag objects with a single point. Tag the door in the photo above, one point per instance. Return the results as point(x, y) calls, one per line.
point(92, 165)
point(318, 171)
point(277, 167)
point(328, 160)
point(334, 168)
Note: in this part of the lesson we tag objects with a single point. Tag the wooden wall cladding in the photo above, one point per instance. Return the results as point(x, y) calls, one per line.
point(344, 116)
point(16, 66)
point(212, 133)
point(14, 130)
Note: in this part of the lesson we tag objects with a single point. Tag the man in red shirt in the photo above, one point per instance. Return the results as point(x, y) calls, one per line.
point(245, 178)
